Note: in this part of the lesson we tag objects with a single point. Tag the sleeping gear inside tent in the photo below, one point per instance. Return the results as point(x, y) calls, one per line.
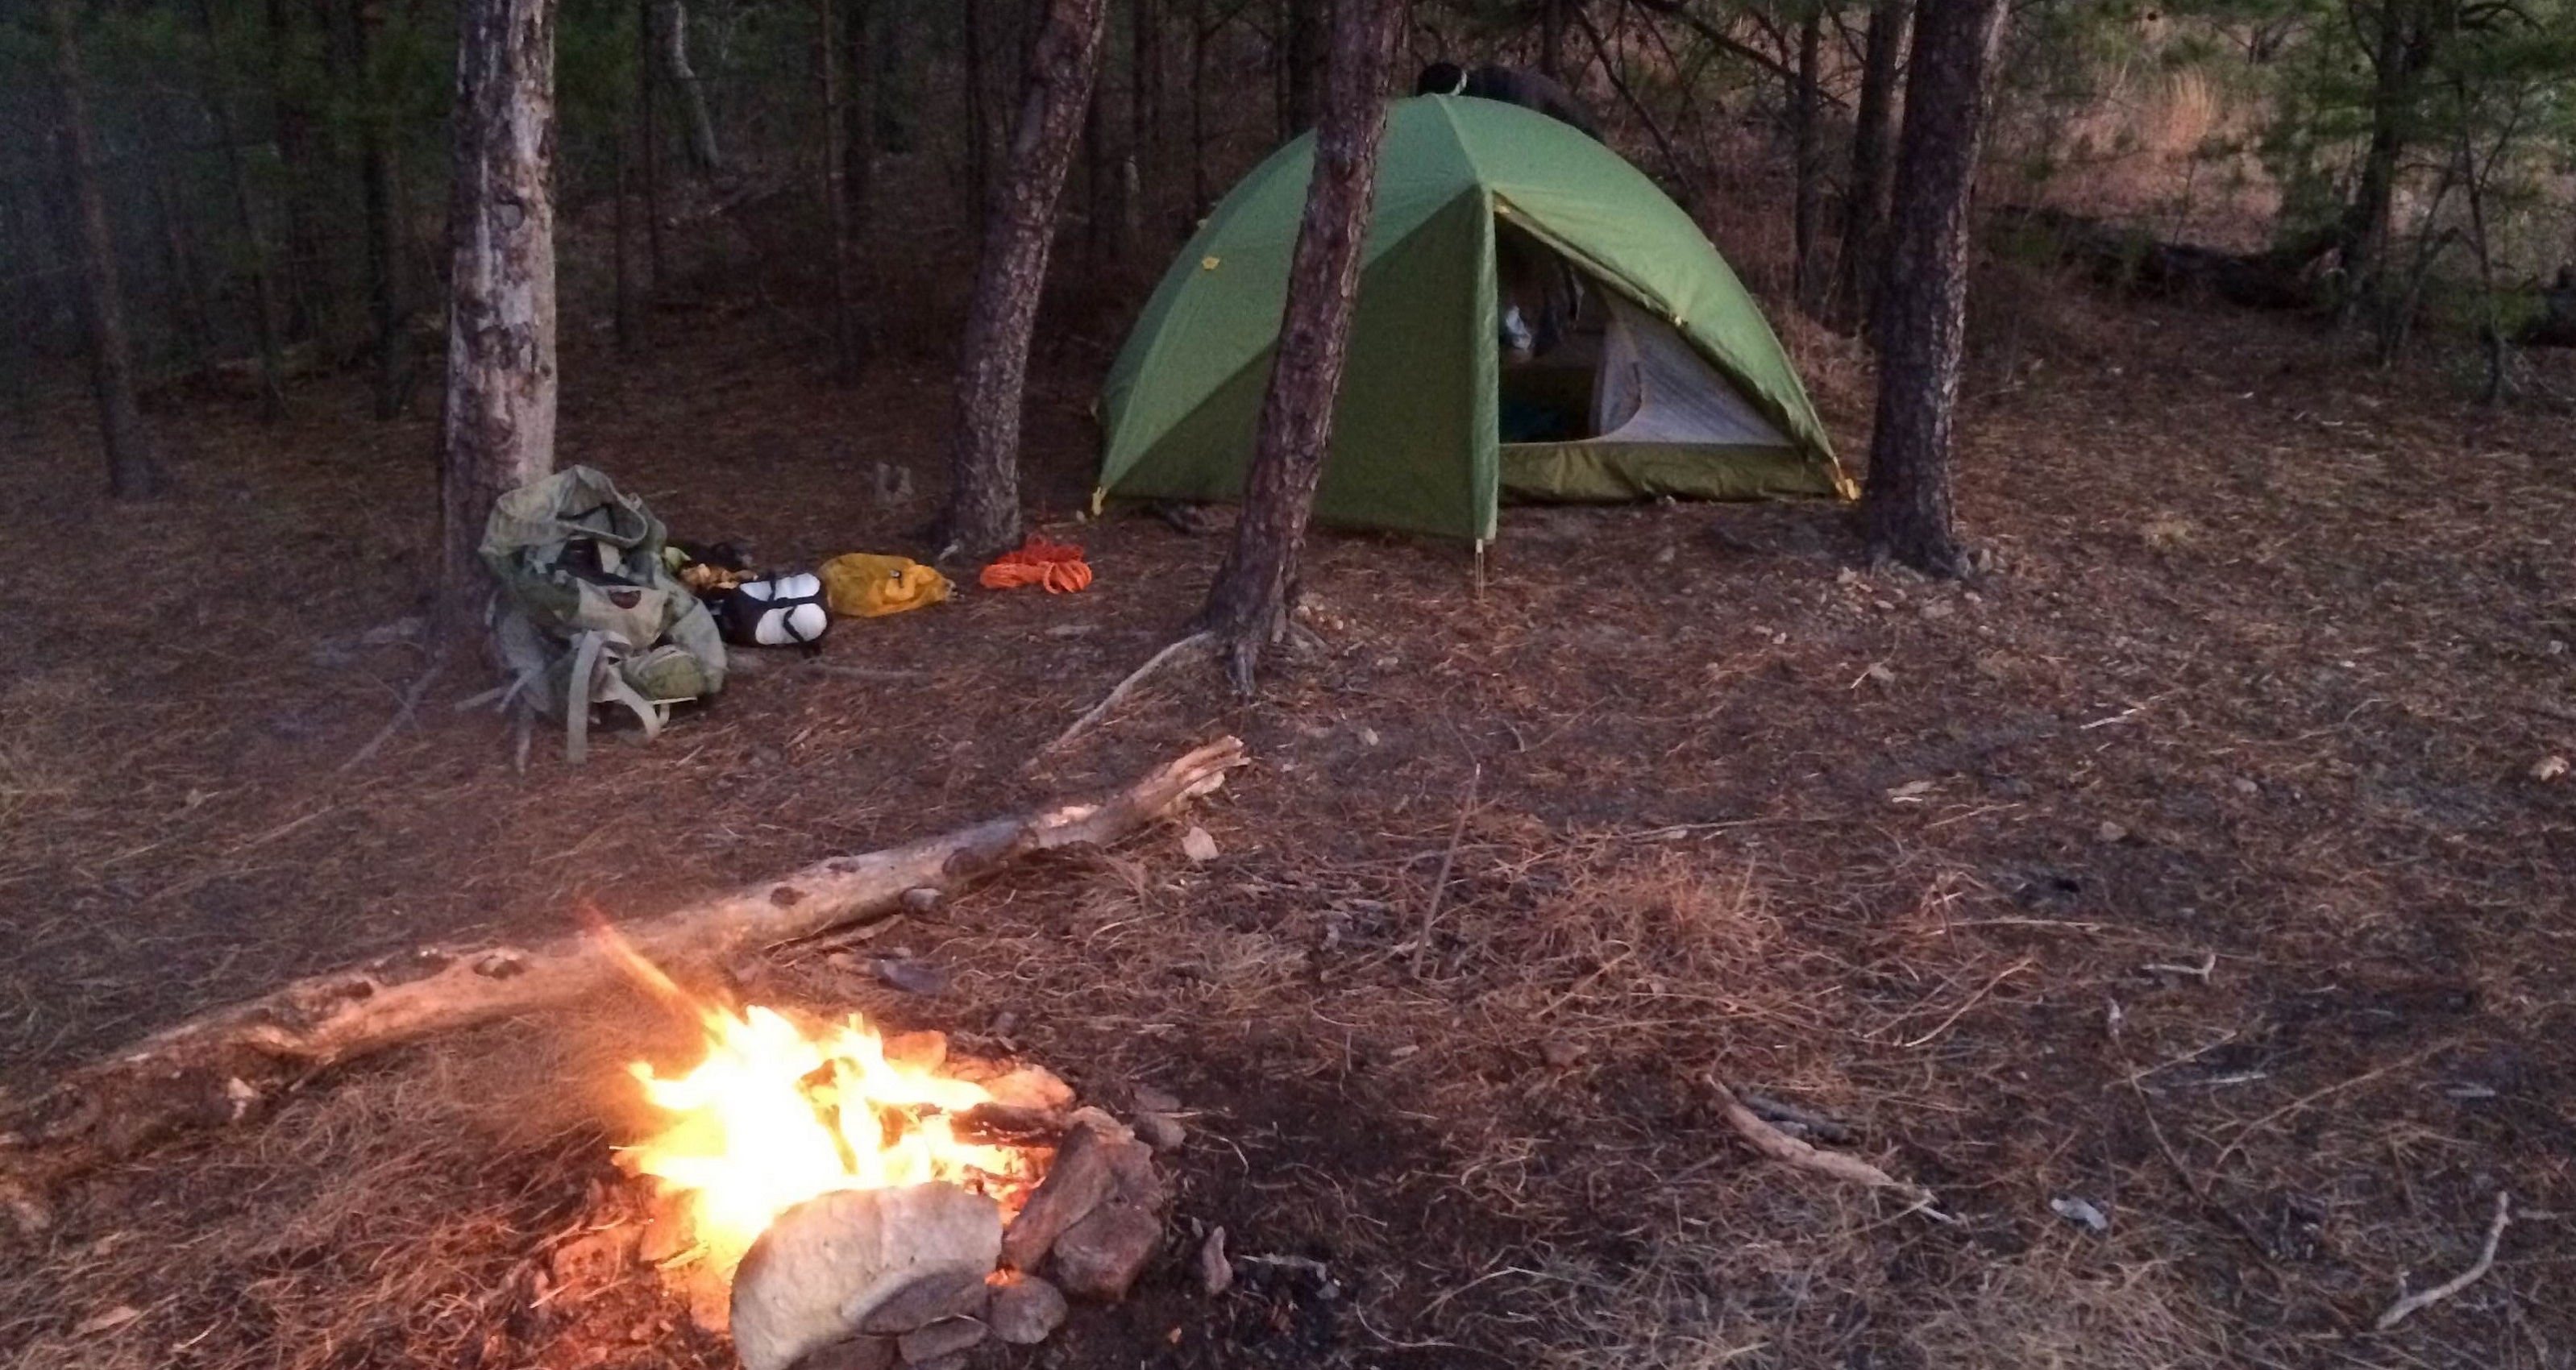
point(1535, 319)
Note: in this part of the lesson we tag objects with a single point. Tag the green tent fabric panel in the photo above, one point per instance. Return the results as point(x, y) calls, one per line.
point(1418, 378)
point(1217, 309)
point(1618, 473)
point(1410, 385)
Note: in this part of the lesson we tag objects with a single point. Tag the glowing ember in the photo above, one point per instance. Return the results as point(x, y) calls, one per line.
point(774, 1116)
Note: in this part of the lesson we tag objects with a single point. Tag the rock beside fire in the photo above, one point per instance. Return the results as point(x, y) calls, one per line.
point(826, 1264)
point(1078, 1181)
point(940, 1340)
point(1026, 1310)
point(1101, 1256)
point(948, 1294)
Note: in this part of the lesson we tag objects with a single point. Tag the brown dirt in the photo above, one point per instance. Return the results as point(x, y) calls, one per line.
point(2273, 646)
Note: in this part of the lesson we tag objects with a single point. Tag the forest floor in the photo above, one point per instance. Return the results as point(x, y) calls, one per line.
point(2272, 647)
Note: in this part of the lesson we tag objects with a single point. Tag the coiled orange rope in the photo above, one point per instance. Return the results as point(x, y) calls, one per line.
point(1056, 565)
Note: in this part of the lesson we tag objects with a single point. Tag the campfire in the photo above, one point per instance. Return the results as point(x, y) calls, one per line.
point(841, 1198)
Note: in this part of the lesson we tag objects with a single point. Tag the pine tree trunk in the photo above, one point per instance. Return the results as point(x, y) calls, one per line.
point(499, 419)
point(377, 178)
point(132, 472)
point(1303, 55)
point(303, 269)
point(1248, 605)
point(849, 333)
point(1144, 105)
point(1858, 265)
point(983, 514)
point(859, 118)
point(1907, 510)
point(1551, 38)
point(1199, 192)
point(652, 154)
point(1808, 203)
point(2364, 245)
point(693, 95)
point(628, 331)
point(979, 171)
point(190, 323)
point(263, 295)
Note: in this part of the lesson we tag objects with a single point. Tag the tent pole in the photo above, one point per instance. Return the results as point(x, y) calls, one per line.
point(1476, 571)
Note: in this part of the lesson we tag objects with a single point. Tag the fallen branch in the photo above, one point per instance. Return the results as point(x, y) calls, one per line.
point(410, 706)
point(2416, 1302)
point(226, 1066)
point(1780, 1146)
point(1195, 642)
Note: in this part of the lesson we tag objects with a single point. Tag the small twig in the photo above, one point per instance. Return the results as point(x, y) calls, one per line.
point(1975, 999)
point(2202, 972)
point(1448, 859)
point(2417, 1302)
point(410, 706)
point(1780, 1146)
point(2191, 1183)
point(2237, 1143)
point(884, 673)
point(1195, 642)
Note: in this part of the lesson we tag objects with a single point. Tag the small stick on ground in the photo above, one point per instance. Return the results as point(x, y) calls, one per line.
point(1780, 1146)
point(1448, 859)
point(2416, 1302)
point(410, 706)
point(1195, 642)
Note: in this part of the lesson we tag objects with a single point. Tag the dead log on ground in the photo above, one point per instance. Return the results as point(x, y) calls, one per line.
point(227, 1066)
point(2130, 259)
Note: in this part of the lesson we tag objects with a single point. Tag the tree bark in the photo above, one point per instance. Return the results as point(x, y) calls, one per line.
point(132, 470)
point(979, 170)
point(1907, 509)
point(859, 118)
point(983, 514)
point(226, 1067)
point(644, 84)
point(2398, 50)
point(304, 301)
point(1302, 54)
point(1551, 39)
point(1858, 265)
point(1144, 105)
point(1200, 194)
point(1807, 140)
point(849, 332)
point(378, 178)
point(499, 419)
point(1255, 589)
point(693, 95)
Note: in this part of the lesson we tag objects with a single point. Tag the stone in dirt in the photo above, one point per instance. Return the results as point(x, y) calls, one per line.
point(1151, 1100)
point(1216, 1273)
point(940, 1340)
point(1026, 1310)
point(1101, 1256)
point(948, 1294)
point(1080, 1178)
point(1161, 1131)
point(827, 1263)
point(854, 1353)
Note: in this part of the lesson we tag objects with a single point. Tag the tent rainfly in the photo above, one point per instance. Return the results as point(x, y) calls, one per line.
point(1666, 381)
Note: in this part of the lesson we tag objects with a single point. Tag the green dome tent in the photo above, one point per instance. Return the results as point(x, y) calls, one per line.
point(1667, 382)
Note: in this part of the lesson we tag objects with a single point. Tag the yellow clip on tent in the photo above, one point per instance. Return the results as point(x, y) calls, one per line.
point(1665, 379)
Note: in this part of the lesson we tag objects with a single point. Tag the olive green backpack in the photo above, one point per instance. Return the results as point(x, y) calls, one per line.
point(588, 612)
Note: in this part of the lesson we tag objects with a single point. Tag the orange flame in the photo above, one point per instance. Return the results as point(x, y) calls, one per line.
point(775, 1116)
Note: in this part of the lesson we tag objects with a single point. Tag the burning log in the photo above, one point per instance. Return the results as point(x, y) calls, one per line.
point(224, 1067)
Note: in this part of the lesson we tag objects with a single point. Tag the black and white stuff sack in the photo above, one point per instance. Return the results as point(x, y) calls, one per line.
point(775, 611)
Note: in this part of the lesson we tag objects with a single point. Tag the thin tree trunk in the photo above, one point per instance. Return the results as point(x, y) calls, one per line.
point(644, 87)
point(2491, 323)
point(983, 514)
point(1808, 205)
point(1255, 590)
point(378, 176)
point(859, 120)
point(979, 171)
point(1304, 54)
point(1551, 38)
point(627, 329)
point(499, 419)
point(1857, 267)
point(1907, 510)
point(693, 95)
point(1098, 193)
point(849, 334)
point(263, 294)
point(1199, 192)
point(1144, 105)
point(187, 297)
point(303, 301)
point(132, 471)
